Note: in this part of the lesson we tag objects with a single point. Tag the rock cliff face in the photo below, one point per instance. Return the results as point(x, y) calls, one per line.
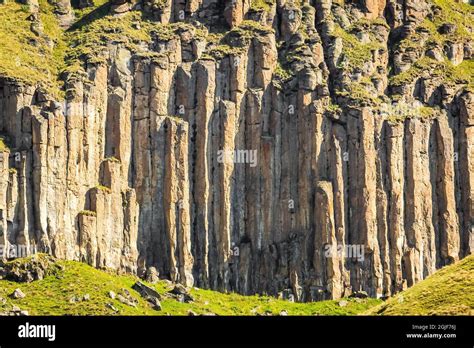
point(351, 125)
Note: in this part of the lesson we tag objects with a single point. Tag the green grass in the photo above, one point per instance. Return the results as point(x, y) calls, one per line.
point(51, 296)
point(449, 291)
point(81, 13)
point(356, 53)
point(88, 38)
point(282, 73)
point(457, 13)
point(422, 65)
point(86, 41)
point(427, 36)
point(104, 188)
point(262, 5)
point(461, 74)
point(20, 58)
point(360, 93)
point(235, 41)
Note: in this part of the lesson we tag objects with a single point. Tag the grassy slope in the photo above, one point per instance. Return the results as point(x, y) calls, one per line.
point(51, 295)
point(449, 291)
point(25, 56)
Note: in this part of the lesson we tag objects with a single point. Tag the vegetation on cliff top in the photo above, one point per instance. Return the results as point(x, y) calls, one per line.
point(26, 56)
point(52, 296)
point(41, 58)
point(449, 291)
point(428, 35)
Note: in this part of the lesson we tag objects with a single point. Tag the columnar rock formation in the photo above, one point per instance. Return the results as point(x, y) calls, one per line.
point(126, 172)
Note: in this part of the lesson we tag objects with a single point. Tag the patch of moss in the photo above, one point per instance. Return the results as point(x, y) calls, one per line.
point(427, 34)
point(104, 188)
point(365, 23)
point(281, 73)
point(355, 53)
point(250, 27)
point(458, 13)
point(223, 50)
point(88, 39)
point(421, 66)
point(261, 5)
point(3, 145)
point(235, 42)
point(462, 74)
point(400, 113)
point(81, 13)
point(333, 108)
point(359, 93)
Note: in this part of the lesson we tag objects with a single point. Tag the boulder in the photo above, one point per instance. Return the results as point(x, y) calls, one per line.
point(149, 294)
point(126, 298)
point(181, 294)
point(33, 269)
point(152, 275)
point(18, 294)
point(359, 294)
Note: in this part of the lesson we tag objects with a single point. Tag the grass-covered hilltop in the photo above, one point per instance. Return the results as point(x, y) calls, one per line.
point(74, 288)
point(450, 291)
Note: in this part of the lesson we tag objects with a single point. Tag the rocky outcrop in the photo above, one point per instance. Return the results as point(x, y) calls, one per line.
point(248, 165)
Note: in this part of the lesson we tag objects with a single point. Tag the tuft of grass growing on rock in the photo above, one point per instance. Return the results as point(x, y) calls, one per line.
point(3, 145)
point(282, 73)
point(462, 74)
point(89, 38)
point(88, 213)
point(261, 5)
point(103, 188)
point(355, 53)
point(81, 13)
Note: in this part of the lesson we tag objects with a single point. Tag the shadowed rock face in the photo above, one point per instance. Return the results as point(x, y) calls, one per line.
point(108, 177)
